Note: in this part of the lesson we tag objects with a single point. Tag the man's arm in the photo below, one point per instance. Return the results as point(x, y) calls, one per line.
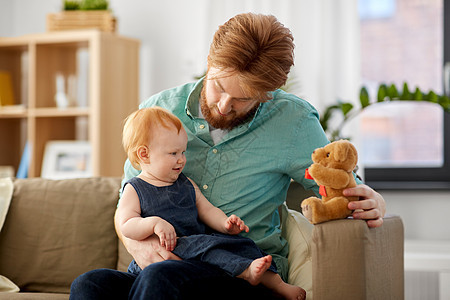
point(371, 206)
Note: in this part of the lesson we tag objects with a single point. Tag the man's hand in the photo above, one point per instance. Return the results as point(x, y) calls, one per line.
point(148, 251)
point(370, 207)
point(234, 225)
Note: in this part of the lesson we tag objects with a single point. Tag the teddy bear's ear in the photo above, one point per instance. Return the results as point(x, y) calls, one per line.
point(344, 150)
point(340, 152)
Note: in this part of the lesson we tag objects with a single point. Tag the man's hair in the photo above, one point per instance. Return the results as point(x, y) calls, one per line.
point(140, 127)
point(258, 47)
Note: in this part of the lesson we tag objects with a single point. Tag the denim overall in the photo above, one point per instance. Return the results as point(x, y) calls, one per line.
point(176, 204)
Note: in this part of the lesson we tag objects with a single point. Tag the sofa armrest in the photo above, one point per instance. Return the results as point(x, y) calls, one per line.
point(352, 261)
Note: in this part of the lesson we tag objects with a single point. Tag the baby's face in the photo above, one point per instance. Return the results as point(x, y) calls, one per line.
point(167, 154)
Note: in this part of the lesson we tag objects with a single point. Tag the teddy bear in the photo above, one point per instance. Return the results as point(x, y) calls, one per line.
point(332, 170)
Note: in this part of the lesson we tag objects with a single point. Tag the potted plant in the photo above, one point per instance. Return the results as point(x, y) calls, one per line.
point(82, 14)
point(86, 4)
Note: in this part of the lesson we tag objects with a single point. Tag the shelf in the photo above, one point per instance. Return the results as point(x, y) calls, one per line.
point(59, 112)
point(86, 65)
point(21, 112)
point(13, 111)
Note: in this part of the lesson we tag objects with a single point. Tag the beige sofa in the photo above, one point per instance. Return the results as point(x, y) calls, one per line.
point(57, 230)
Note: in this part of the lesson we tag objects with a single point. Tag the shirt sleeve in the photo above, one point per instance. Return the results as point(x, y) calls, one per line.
point(308, 135)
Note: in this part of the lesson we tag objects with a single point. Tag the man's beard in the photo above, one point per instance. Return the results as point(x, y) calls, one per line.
point(220, 122)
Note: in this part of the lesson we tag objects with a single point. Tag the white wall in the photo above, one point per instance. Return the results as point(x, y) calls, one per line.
point(425, 214)
point(175, 38)
point(176, 34)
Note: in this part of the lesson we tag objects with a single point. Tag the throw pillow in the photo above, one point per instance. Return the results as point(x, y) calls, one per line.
point(6, 190)
point(297, 231)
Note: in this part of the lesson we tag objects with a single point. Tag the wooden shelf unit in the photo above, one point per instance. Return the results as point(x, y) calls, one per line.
point(112, 83)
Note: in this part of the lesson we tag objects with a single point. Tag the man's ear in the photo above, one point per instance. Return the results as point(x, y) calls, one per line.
point(144, 154)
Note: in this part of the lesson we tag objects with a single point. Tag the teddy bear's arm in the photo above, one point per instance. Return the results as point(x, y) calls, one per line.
point(334, 178)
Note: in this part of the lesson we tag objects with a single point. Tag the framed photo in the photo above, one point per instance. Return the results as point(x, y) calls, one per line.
point(67, 159)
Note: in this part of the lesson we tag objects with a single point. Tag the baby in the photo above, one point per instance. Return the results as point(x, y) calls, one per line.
point(161, 200)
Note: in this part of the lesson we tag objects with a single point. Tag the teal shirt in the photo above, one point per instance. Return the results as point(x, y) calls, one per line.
point(248, 173)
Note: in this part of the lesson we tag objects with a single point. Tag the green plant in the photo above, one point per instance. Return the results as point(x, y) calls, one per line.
point(385, 93)
point(86, 4)
point(94, 5)
point(71, 5)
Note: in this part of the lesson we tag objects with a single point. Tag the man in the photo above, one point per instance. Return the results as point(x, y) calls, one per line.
point(246, 141)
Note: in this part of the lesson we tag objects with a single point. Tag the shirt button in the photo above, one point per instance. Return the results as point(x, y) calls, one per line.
point(215, 151)
point(201, 126)
point(205, 186)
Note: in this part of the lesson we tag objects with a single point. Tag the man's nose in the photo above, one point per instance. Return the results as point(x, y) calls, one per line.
point(225, 104)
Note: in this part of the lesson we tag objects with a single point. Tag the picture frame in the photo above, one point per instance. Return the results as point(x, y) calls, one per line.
point(67, 159)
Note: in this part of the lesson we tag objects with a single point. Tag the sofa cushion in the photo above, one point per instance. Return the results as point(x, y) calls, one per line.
point(56, 230)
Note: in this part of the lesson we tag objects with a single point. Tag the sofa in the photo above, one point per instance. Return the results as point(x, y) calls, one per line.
point(55, 230)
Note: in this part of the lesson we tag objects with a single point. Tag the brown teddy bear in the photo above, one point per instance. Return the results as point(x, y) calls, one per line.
point(332, 171)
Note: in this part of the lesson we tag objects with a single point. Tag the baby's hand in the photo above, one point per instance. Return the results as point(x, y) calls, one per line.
point(234, 225)
point(166, 233)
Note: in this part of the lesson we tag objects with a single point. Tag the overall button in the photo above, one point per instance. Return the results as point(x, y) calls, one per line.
point(201, 126)
point(205, 186)
point(215, 151)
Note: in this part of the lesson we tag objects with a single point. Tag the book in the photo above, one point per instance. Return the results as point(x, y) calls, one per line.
point(6, 89)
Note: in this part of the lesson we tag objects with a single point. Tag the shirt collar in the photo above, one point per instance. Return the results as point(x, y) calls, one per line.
point(192, 103)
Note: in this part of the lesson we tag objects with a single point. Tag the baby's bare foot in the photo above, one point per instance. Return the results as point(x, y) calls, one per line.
point(291, 292)
point(256, 270)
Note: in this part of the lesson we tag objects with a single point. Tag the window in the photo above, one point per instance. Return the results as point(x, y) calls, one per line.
point(376, 9)
point(403, 41)
point(402, 135)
